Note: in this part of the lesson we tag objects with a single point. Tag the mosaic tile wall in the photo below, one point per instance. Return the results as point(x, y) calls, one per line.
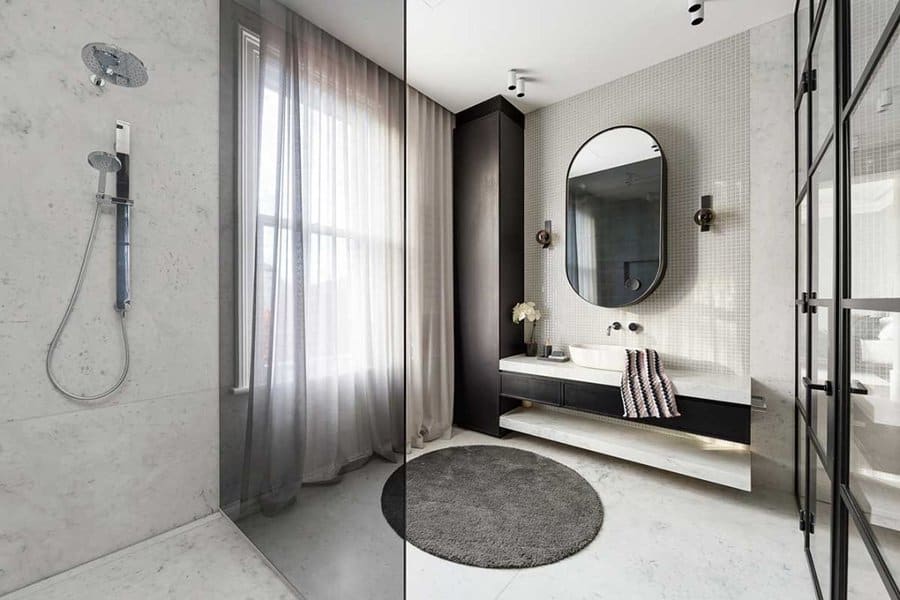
point(697, 106)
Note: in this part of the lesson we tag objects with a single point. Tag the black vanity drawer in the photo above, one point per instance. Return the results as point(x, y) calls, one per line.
point(599, 399)
point(536, 389)
point(720, 420)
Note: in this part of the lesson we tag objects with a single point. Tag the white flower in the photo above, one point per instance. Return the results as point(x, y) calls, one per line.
point(525, 311)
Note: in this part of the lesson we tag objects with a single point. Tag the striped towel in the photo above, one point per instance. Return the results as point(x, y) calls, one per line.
point(646, 389)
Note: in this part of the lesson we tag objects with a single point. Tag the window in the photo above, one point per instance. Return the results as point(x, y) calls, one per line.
point(248, 131)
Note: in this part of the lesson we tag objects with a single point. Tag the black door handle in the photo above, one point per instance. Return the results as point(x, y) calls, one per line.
point(857, 387)
point(826, 387)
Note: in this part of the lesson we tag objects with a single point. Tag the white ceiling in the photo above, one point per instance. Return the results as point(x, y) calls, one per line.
point(458, 51)
point(373, 28)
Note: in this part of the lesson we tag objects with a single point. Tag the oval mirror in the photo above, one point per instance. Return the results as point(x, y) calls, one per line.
point(616, 217)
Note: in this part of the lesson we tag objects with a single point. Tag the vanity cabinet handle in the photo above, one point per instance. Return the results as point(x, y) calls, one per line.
point(857, 387)
point(826, 387)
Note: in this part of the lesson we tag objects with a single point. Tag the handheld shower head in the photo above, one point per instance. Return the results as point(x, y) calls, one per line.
point(111, 63)
point(105, 163)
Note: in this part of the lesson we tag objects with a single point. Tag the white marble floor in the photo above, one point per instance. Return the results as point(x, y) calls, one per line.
point(209, 558)
point(664, 536)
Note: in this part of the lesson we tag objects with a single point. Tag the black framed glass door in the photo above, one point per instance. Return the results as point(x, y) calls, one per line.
point(848, 294)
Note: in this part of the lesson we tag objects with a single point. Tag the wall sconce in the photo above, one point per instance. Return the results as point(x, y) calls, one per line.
point(705, 216)
point(545, 235)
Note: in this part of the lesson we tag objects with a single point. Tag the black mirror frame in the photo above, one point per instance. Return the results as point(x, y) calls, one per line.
point(663, 221)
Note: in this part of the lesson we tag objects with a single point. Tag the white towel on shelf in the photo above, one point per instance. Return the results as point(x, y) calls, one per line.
point(646, 389)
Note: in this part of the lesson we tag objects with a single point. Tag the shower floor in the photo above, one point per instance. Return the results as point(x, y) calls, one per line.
point(209, 558)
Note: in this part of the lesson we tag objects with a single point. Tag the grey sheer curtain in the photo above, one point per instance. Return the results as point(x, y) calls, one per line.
point(278, 394)
point(429, 375)
point(327, 375)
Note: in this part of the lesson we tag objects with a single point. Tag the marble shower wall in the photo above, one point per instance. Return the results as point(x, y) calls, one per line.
point(77, 482)
point(772, 251)
point(722, 115)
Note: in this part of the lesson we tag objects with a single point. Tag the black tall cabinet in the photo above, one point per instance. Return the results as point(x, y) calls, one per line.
point(489, 262)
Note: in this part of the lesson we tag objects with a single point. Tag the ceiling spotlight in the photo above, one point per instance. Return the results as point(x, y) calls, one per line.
point(695, 12)
point(520, 87)
point(511, 80)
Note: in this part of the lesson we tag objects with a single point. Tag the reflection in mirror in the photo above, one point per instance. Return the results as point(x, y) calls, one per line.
point(615, 217)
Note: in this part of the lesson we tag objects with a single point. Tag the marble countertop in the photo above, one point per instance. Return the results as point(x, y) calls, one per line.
point(734, 389)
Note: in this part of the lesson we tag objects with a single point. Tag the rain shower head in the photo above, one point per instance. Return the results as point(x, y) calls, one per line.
point(111, 63)
point(104, 161)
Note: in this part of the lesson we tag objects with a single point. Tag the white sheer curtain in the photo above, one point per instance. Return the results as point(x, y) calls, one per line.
point(327, 387)
point(351, 147)
point(429, 375)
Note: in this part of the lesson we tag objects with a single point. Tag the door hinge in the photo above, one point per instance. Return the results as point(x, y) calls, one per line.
point(808, 81)
point(802, 520)
point(811, 522)
point(805, 306)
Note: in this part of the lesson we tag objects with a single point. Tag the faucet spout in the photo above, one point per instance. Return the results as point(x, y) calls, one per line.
point(614, 325)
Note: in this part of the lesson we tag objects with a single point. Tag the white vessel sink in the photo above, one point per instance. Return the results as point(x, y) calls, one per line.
point(598, 356)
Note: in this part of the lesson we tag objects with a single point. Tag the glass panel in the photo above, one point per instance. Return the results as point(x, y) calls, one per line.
point(821, 404)
point(802, 285)
point(823, 226)
point(802, 141)
point(802, 17)
point(802, 241)
point(823, 64)
point(820, 538)
point(875, 426)
point(323, 538)
point(863, 581)
point(802, 328)
point(802, 468)
point(868, 19)
point(875, 184)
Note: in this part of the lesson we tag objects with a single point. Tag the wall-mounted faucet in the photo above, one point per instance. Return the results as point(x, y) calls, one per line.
point(614, 325)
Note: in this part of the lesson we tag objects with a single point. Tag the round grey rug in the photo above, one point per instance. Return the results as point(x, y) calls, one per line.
point(491, 506)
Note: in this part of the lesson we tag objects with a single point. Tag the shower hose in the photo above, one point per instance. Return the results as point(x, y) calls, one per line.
point(62, 325)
